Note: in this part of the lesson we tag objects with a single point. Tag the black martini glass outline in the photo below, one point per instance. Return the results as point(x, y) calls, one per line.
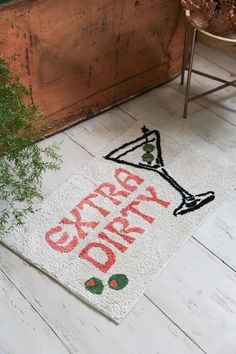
point(189, 202)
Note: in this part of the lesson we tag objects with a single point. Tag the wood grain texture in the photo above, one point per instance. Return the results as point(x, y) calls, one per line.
point(219, 233)
point(199, 293)
point(87, 56)
point(22, 328)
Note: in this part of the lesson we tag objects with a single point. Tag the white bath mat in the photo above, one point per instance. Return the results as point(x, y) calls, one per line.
point(107, 232)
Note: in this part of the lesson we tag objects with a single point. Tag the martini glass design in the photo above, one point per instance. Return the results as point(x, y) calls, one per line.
point(148, 148)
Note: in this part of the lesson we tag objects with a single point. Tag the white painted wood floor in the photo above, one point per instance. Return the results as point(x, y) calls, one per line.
point(191, 308)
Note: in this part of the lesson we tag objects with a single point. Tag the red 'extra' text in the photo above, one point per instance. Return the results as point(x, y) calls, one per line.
point(117, 234)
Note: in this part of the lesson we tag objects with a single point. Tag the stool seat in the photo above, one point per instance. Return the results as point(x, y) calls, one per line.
point(225, 44)
point(209, 39)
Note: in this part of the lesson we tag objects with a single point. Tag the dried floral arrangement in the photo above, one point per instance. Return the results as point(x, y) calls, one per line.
point(215, 16)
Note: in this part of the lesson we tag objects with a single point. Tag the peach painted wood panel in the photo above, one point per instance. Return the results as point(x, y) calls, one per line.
point(80, 57)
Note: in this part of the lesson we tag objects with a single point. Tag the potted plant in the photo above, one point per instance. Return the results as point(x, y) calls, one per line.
point(215, 16)
point(22, 161)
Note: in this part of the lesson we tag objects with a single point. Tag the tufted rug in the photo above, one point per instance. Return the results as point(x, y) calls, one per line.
point(107, 232)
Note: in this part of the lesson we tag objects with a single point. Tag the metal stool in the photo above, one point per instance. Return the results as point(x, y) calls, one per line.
point(209, 37)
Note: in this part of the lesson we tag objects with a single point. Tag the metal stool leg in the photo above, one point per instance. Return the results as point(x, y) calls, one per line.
point(187, 92)
point(184, 58)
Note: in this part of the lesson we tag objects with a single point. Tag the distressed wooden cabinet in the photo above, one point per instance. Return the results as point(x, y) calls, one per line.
point(80, 57)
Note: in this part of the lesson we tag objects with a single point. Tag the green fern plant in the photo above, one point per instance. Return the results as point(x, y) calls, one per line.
point(22, 162)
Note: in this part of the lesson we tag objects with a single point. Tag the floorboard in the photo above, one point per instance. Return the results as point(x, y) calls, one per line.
point(22, 329)
point(94, 135)
point(218, 234)
point(198, 292)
